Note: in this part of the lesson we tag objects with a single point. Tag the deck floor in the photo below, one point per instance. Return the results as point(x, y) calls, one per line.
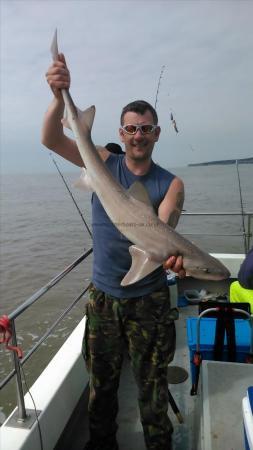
point(130, 436)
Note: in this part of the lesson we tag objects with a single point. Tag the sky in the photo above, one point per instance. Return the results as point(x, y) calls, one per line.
point(115, 51)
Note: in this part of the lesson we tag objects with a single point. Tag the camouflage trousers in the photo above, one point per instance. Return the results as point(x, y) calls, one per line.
point(145, 326)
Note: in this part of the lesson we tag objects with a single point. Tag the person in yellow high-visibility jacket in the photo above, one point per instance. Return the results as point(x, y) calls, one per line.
point(242, 290)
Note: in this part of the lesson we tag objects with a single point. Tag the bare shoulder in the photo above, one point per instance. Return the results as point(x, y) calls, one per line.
point(175, 190)
point(176, 185)
point(171, 206)
point(103, 152)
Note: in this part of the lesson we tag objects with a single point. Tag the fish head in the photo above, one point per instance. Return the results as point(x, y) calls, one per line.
point(206, 268)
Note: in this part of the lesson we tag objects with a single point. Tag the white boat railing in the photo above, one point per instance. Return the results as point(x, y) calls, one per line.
point(22, 416)
point(246, 233)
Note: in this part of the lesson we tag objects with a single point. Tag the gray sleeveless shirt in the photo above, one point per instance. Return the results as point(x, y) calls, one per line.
point(112, 259)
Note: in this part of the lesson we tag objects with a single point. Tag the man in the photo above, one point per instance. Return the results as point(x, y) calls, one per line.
point(138, 316)
point(242, 290)
point(245, 275)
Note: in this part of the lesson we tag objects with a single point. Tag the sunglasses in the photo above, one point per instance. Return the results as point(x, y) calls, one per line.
point(144, 129)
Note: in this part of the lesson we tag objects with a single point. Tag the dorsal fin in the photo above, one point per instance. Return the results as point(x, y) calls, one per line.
point(138, 191)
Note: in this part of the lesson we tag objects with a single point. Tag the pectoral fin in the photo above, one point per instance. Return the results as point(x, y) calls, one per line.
point(83, 182)
point(141, 266)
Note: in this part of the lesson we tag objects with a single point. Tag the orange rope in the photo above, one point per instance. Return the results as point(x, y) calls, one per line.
point(6, 332)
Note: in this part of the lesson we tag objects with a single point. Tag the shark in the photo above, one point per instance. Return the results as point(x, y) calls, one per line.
point(131, 211)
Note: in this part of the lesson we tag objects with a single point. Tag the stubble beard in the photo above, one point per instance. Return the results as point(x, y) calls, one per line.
point(139, 157)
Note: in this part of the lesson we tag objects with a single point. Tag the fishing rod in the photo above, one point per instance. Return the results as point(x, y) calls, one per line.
point(241, 203)
point(71, 195)
point(158, 85)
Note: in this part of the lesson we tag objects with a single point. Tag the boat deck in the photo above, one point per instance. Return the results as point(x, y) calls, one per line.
point(207, 417)
point(130, 434)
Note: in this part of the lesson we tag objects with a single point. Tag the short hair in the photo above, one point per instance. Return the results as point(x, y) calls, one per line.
point(139, 107)
point(114, 148)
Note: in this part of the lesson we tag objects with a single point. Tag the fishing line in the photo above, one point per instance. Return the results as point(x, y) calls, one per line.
point(158, 85)
point(35, 409)
point(71, 195)
point(241, 203)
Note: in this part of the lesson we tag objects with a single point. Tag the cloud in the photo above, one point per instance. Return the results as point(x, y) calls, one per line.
point(115, 50)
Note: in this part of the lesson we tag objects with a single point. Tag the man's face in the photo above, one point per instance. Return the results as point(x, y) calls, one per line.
point(139, 146)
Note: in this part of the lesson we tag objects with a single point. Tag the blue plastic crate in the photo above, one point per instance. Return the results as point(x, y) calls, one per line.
point(207, 337)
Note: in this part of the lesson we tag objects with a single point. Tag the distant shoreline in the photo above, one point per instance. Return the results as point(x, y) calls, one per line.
point(223, 162)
